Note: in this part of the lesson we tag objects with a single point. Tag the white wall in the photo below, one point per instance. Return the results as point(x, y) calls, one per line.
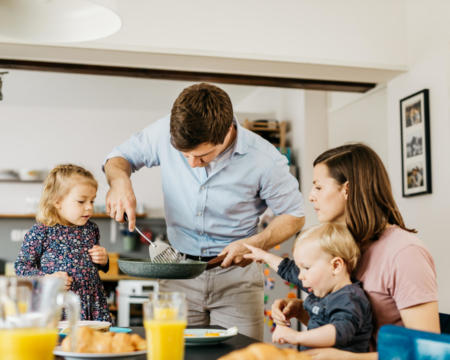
point(363, 119)
point(427, 213)
point(51, 118)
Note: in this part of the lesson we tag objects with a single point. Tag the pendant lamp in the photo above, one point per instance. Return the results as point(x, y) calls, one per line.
point(57, 21)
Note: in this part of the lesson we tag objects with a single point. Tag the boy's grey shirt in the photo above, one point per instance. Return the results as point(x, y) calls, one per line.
point(348, 309)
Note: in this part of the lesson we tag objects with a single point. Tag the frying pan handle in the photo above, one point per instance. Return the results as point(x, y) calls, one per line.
point(215, 262)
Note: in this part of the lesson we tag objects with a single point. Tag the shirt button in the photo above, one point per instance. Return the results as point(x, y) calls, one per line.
point(199, 213)
point(202, 188)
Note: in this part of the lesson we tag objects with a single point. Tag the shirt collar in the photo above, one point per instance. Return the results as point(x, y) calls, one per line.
point(241, 146)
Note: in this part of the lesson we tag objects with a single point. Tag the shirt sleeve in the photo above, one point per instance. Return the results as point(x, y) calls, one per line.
point(413, 279)
point(28, 261)
point(289, 271)
point(280, 189)
point(347, 314)
point(142, 148)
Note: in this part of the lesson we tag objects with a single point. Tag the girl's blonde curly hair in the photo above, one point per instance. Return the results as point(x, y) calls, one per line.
point(56, 186)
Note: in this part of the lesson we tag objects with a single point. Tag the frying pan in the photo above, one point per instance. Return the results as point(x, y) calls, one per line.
point(187, 269)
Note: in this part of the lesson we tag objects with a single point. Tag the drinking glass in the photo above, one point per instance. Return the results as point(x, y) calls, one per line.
point(165, 321)
point(30, 309)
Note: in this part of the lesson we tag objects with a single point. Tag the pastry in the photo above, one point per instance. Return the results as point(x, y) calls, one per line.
point(93, 341)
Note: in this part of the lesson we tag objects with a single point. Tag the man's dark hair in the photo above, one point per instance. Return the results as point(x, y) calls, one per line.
point(202, 113)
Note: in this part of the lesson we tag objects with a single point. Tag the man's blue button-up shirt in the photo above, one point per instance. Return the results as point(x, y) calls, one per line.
point(205, 211)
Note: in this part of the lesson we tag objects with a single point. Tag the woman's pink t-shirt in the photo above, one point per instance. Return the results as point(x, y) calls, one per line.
point(397, 272)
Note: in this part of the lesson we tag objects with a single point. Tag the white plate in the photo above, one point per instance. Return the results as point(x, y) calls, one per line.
point(96, 325)
point(76, 356)
point(199, 336)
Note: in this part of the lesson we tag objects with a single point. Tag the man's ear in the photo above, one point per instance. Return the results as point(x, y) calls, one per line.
point(338, 265)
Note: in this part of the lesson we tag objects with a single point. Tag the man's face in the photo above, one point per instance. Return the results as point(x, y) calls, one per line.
point(204, 153)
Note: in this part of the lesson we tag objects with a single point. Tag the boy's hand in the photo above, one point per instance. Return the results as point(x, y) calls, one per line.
point(283, 335)
point(64, 276)
point(285, 309)
point(257, 254)
point(98, 254)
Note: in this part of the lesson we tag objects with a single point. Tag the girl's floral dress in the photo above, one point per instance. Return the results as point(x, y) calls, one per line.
point(48, 249)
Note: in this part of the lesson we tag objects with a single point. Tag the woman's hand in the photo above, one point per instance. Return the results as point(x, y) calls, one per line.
point(284, 334)
point(285, 309)
point(64, 276)
point(98, 254)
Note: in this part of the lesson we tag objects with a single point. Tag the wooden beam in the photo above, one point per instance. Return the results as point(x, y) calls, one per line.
point(238, 79)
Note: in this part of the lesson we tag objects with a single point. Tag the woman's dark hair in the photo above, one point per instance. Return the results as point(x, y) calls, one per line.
point(370, 205)
point(202, 113)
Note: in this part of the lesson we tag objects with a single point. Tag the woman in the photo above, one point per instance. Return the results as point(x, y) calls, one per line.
point(351, 184)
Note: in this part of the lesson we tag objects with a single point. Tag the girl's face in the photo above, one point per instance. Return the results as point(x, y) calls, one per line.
point(327, 196)
point(316, 268)
point(77, 206)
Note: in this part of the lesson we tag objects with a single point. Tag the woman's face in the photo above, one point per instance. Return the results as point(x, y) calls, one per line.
point(327, 195)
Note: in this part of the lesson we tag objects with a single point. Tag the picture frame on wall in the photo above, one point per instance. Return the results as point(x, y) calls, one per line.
point(415, 139)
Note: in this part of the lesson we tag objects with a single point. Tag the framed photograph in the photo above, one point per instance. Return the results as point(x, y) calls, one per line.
point(415, 134)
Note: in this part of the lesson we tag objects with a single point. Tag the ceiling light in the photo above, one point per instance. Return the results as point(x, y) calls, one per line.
point(56, 21)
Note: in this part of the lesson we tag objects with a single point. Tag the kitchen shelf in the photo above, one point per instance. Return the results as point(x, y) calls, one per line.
point(267, 127)
point(31, 216)
point(19, 181)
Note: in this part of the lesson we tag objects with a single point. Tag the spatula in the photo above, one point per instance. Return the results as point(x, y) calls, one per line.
point(159, 251)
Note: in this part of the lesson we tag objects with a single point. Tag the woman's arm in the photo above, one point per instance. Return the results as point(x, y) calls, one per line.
point(423, 317)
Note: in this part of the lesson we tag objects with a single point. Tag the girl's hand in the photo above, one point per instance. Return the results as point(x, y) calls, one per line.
point(98, 254)
point(257, 254)
point(64, 276)
point(283, 335)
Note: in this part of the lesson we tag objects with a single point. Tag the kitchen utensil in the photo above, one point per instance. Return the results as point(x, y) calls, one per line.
point(159, 251)
point(185, 269)
point(144, 268)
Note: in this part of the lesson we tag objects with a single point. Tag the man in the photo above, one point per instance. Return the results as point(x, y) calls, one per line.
point(217, 179)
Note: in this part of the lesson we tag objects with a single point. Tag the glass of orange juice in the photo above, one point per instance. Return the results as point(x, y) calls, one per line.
point(30, 309)
point(165, 321)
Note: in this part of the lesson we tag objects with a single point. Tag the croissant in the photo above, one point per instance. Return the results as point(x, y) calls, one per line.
point(263, 351)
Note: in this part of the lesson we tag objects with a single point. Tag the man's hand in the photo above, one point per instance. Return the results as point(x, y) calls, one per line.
point(120, 198)
point(256, 254)
point(285, 309)
point(284, 334)
point(64, 276)
point(235, 254)
point(99, 255)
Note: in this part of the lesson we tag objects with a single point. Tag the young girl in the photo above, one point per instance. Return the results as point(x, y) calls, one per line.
point(64, 243)
point(337, 312)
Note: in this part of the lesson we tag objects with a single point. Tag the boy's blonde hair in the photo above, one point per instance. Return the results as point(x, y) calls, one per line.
point(336, 240)
point(56, 185)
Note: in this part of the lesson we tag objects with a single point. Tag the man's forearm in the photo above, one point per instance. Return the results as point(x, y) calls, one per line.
point(279, 229)
point(117, 168)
